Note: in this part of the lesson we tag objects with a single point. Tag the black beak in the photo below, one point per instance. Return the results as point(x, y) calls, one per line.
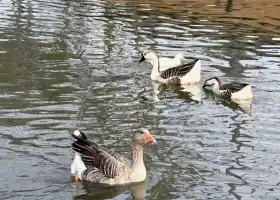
point(142, 58)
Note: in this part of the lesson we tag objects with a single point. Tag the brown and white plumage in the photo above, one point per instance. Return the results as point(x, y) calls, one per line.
point(231, 90)
point(178, 71)
point(107, 167)
point(181, 74)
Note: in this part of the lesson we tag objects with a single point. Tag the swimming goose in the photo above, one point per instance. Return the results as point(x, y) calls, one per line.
point(179, 75)
point(165, 63)
point(100, 165)
point(231, 90)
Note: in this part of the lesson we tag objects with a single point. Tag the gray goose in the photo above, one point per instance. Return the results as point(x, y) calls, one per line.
point(98, 164)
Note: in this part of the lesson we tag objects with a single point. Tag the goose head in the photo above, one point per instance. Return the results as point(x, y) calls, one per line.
point(142, 136)
point(212, 83)
point(148, 55)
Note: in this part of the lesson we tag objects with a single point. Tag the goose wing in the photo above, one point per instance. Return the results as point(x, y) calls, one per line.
point(117, 156)
point(94, 175)
point(233, 87)
point(95, 156)
point(180, 70)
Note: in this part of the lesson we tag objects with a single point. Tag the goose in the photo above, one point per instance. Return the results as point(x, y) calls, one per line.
point(98, 164)
point(182, 74)
point(165, 63)
point(231, 90)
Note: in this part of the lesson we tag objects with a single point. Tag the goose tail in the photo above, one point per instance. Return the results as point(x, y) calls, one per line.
point(194, 74)
point(78, 166)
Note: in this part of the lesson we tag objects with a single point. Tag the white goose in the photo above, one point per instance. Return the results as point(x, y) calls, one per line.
point(182, 74)
point(230, 90)
point(100, 165)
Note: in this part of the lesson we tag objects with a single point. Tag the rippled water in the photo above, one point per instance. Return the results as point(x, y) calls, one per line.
point(74, 64)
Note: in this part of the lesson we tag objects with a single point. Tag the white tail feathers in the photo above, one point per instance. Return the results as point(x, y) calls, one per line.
point(78, 166)
point(194, 74)
point(77, 132)
point(245, 93)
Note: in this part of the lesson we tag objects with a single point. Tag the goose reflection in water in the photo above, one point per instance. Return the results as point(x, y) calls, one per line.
point(245, 105)
point(155, 92)
point(99, 192)
point(193, 91)
point(190, 93)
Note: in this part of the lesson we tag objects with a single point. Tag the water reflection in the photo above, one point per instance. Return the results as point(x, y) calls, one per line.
point(155, 86)
point(96, 192)
point(244, 105)
point(239, 139)
point(192, 92)
point(73, 64)
point(195, 92)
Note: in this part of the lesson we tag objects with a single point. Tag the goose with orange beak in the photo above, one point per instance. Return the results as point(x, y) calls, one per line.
point(98, 164)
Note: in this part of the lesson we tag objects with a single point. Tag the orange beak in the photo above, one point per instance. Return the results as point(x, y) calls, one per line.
point(149, 138)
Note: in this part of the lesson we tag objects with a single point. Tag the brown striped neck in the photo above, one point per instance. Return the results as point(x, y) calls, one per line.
point(136, 154)
point(137, 170)
point(219, 81)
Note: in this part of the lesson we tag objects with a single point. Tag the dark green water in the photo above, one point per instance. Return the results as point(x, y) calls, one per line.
point(74, 64)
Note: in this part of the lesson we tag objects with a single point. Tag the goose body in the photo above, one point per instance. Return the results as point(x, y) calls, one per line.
point(230, 90)
point(182, 74)
point(166, 63)
point(98, 164)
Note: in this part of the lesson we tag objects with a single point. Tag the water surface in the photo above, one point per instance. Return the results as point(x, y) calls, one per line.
point(74, 64)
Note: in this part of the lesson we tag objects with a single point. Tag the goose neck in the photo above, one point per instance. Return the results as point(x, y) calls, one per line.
point(155, 70)
point(136, 154)
point(138, 170)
